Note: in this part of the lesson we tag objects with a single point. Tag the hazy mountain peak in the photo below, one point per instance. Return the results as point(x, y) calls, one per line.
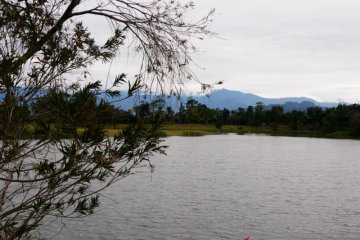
point(231, 99)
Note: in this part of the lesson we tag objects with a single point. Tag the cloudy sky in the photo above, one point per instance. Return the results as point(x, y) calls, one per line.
point(284, 48)
point(278, 48)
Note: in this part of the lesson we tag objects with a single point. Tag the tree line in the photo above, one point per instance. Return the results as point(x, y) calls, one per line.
point(340, 118)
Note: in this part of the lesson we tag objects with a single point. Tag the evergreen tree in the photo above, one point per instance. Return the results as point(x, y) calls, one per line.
point(45, 52)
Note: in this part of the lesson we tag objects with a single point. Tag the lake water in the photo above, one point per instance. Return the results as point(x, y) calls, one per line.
point(231, 186)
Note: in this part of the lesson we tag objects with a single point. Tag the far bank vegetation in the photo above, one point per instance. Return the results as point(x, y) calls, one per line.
point(196, 119)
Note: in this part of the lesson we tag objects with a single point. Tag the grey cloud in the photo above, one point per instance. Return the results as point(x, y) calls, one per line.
point(285, 47)
point(275, 48)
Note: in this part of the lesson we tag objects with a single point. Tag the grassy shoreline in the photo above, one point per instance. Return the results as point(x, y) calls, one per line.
point(196, 130)
point(168, 130)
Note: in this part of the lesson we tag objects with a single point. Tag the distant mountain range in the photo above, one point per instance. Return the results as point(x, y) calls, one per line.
point(230, 99)
point(223, 98)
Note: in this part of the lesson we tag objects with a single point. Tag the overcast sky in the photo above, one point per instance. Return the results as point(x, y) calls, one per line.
point(279, 48)
point(284, 48)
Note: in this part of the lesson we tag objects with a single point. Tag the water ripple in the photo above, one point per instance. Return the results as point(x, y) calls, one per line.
point(228, 187)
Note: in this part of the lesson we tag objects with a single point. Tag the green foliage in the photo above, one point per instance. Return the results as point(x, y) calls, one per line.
point(192, 134)
point(343, 118)
point(81, 160)
point(355, 123)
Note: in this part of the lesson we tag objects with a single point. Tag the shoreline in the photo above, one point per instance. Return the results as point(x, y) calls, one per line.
point(196, 130)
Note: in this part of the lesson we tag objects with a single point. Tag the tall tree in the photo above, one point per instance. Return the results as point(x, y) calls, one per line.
point(45, 49)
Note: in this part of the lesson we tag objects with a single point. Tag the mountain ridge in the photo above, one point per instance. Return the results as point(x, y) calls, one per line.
point(231, 99)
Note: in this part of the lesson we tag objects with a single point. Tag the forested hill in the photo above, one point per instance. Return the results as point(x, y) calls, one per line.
point(231, 100)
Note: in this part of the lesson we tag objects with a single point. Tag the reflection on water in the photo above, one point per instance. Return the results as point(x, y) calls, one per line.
point(228, 187)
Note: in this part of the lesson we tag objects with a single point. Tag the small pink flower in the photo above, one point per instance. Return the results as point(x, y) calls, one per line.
point(247, 238)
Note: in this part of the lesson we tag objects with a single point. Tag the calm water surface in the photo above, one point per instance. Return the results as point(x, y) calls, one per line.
point(230, 186)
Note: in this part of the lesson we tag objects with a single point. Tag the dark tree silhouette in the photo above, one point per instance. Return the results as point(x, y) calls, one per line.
point(45, 51)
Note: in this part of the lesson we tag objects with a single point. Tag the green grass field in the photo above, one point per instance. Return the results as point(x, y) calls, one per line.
point(194, 130)
point(207, 129)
